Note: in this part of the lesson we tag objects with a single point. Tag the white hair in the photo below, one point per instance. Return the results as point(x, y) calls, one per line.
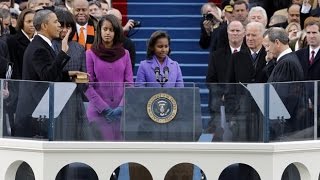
point(260, 10)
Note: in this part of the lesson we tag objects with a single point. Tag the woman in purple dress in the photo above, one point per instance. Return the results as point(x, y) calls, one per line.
point(109, 67)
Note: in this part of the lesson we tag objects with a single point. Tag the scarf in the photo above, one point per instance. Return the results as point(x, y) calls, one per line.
point(109, 54)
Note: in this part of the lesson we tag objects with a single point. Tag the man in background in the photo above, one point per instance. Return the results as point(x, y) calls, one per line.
point(128, 44)
point(85, 24)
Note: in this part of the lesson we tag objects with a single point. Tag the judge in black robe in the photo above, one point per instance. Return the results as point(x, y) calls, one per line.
point(292, 94)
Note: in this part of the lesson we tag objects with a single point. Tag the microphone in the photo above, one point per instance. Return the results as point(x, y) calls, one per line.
point(157, 72)
point(166, 74)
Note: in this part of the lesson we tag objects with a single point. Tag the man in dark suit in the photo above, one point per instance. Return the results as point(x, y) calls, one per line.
point(287, 68)
point(85, 23)
point(217, 68)
point(40, 64)
point(310, 61)
point(211, 28)
point(218, 65)
point(310, 57)
point(247, 66)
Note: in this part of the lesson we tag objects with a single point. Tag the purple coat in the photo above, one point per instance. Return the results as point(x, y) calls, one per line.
point(106, 89)
point(146, 73)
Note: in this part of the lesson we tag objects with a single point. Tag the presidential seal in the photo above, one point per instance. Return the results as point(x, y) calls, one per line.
point(162, 108)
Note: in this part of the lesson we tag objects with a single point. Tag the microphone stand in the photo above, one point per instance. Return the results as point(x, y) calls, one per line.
point(162, 83)
point(162, 79)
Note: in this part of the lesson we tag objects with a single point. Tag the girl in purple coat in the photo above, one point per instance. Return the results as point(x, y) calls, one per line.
point(159, 70)
point(109, 67)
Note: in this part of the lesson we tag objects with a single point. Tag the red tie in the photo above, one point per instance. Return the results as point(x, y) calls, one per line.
point(311, 60)
point(235, 50)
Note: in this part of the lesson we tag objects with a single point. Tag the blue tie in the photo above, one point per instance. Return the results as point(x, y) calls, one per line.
point(254, 56)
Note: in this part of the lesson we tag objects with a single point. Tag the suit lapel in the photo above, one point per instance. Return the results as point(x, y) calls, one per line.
point(260, 60)
point(47, 46)
point(316, 59)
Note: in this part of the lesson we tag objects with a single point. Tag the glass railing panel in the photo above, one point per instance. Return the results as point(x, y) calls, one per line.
point(187, 112)
point(291, 111)
point(94, 112)
point(258, 112)
point(129, 112)
point(22, 116)
point(230, 114)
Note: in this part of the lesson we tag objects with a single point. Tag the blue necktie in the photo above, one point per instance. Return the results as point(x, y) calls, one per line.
point(254, 56)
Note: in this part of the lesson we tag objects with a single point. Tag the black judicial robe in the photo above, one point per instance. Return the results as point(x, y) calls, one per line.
point(287, 68)
point(292, 94)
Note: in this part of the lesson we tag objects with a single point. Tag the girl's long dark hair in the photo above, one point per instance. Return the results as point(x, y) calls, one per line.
point(117, 28)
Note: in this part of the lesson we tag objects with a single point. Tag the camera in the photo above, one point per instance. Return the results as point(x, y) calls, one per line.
point(136, 24)
point(209, 17)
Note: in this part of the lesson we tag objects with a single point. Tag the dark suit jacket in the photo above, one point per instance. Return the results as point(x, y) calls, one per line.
point(274, 5)
point(4, 58)
point(129, 45)
point(315, 12)
point(292, 94)
point(243, 69)
point(17, 45)
point(217, 39)
point(283, 25)
point(311, 72)
point(218, 65)
point(40, 63)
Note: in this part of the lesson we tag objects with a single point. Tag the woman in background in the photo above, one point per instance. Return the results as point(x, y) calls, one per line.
point(159, 69)
point(71, 124)
point(109, 67)
point(18, 42)
point(17, 45)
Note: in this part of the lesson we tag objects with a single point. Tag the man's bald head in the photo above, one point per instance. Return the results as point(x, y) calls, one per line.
point(81, 11)
point(116, 13)
point(75, 2)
